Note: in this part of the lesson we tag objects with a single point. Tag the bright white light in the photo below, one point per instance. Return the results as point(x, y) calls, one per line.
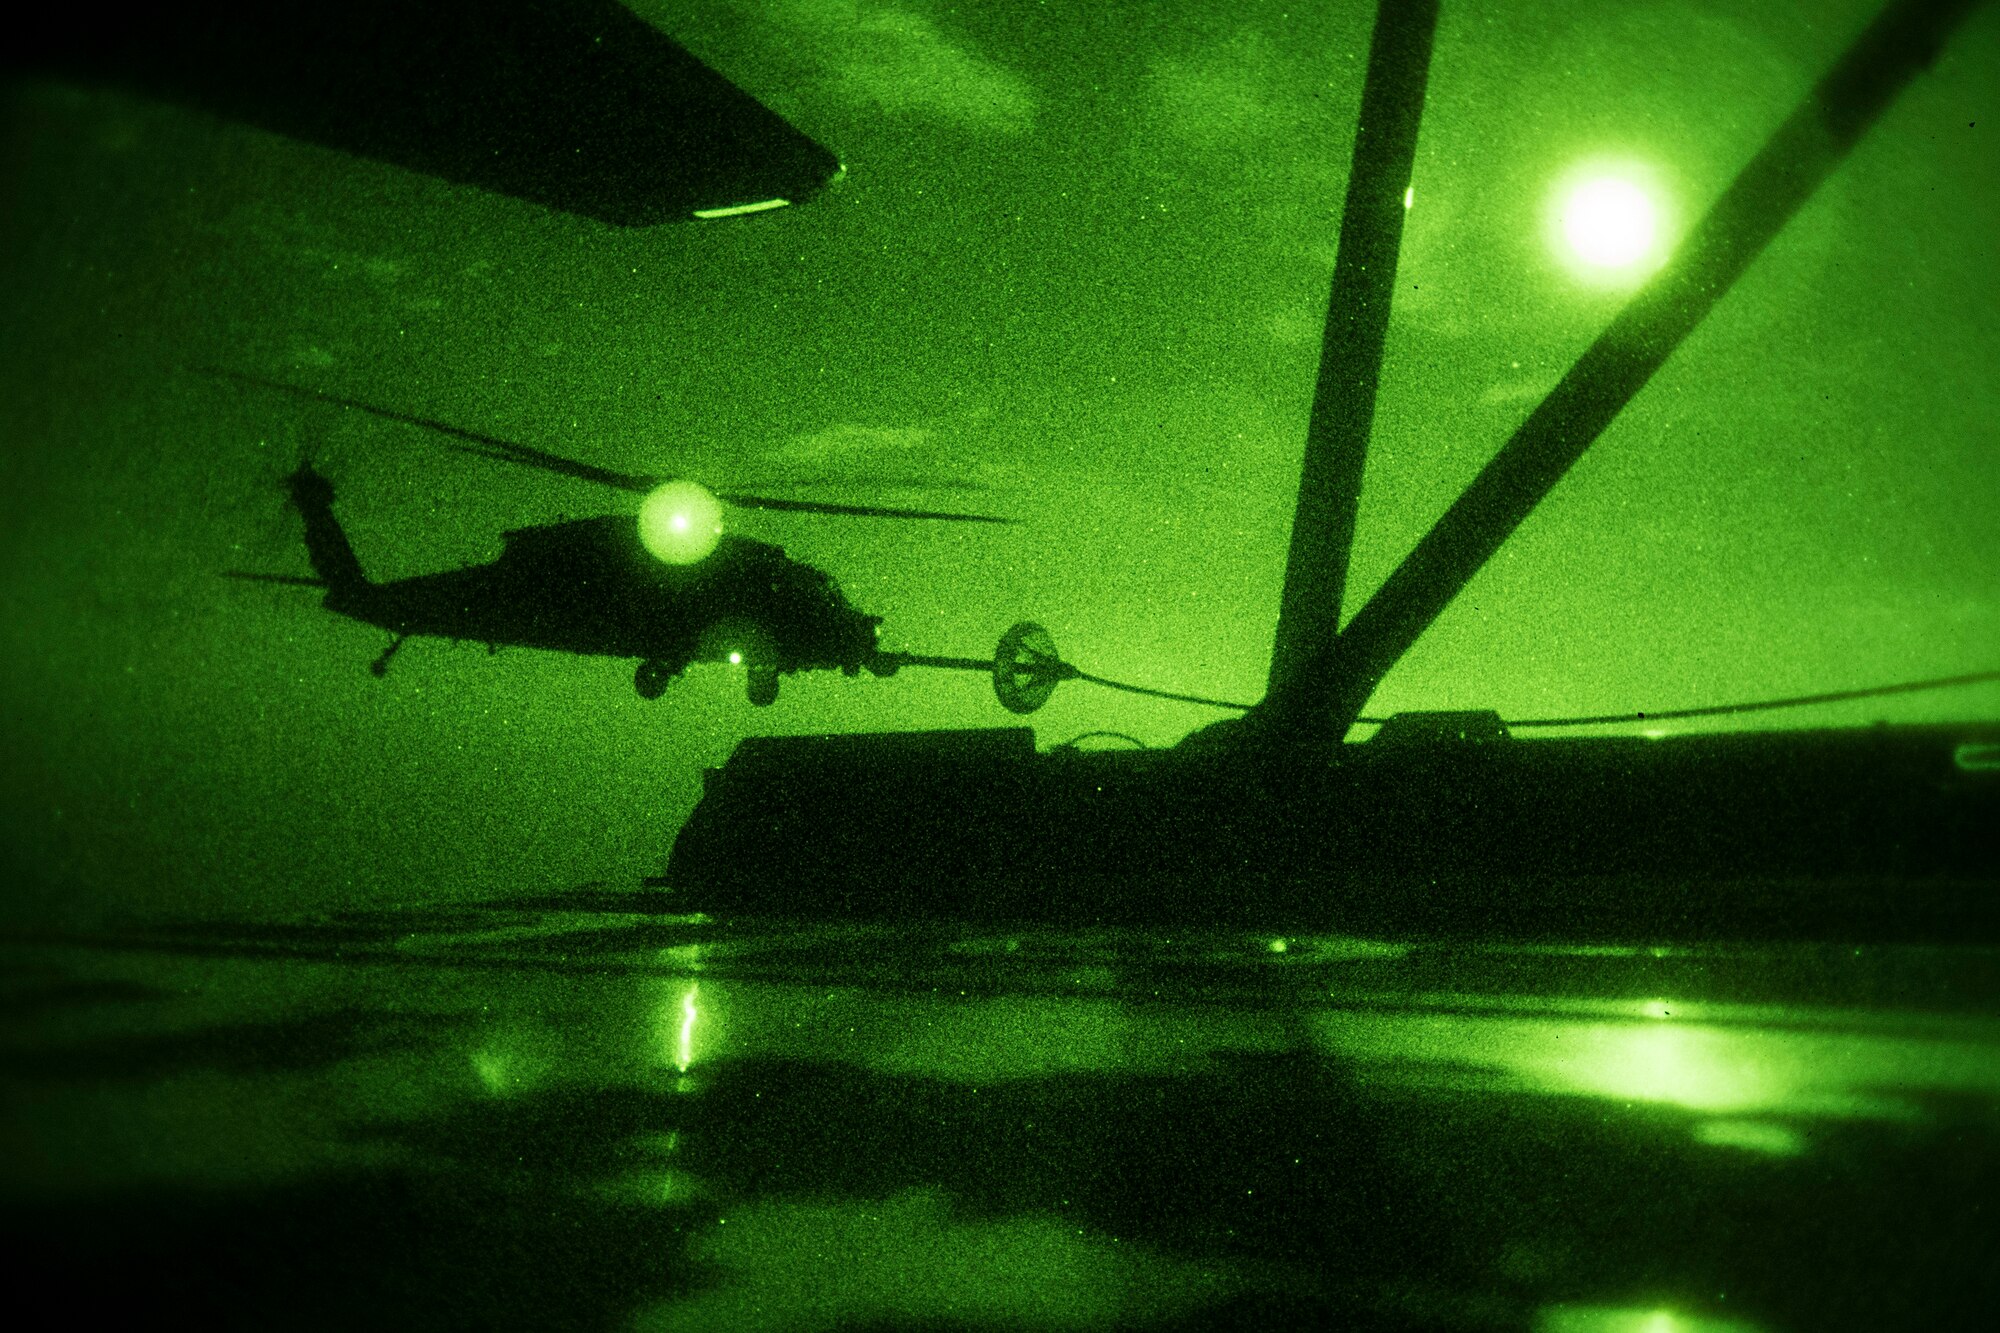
point(1607, 222)
point(736, 659)
point(680, 522)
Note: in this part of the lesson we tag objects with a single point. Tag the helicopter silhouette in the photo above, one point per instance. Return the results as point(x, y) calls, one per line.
point(670, 588)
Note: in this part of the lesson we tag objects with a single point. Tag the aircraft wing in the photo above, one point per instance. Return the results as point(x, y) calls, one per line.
point(581, 105)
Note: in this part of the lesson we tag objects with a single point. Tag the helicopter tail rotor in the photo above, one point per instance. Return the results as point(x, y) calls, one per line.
point(332, 555)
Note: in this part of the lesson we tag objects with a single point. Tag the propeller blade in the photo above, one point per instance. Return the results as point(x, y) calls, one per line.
point(851, 511)
point(474, 442)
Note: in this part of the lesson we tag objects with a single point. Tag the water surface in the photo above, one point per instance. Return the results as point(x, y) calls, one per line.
point(527, 1116)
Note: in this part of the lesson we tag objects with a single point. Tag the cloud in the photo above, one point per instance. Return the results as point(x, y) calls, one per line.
point(893, 58)
point(851, 454)
point(846, 441)
point(1246, 118)
point(1221, 97)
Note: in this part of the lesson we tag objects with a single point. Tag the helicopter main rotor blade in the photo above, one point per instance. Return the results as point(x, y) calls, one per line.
point(852, 511)
point(290, 580)
point(639, 483)
point(542, 460)
point(893, 481)
point(1350, 360)
point(474, 442)
point(1801, 153)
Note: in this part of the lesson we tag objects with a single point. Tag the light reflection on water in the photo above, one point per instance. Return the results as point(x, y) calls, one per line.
point(1017, 1090)
point(1651, 1052)
point(1757, 1136)
point(1094, 1002)
point(1718, 1069)
point(1737, 1073)
point(1606, 1319)
point(684, 1033)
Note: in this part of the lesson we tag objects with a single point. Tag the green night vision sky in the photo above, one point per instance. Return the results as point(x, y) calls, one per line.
point(1078, 259)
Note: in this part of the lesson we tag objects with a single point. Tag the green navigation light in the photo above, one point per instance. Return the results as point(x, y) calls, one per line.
point(680, 522)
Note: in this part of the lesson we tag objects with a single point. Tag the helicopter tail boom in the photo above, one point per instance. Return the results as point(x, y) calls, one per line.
point(332, 556)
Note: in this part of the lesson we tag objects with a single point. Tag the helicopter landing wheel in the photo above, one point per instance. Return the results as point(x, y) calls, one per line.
point(761, 684)
point(652, 678)
point(380, 666)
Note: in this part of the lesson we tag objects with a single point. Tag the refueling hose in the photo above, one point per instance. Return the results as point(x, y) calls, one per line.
point(1055, 669)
